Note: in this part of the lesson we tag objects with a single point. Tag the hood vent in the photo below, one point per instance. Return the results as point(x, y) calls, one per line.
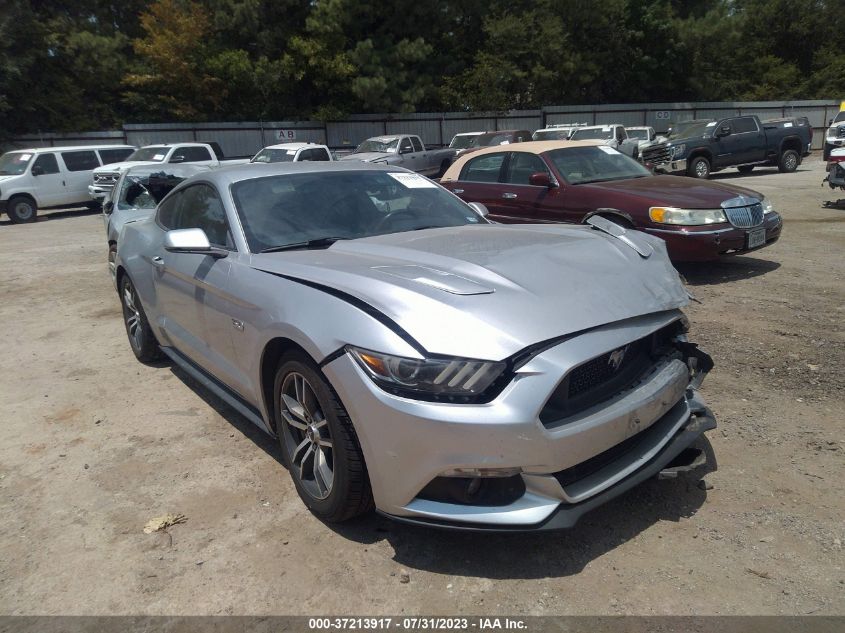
point(447, 282)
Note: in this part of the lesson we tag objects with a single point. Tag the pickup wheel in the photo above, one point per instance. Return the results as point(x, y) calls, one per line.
point(788, 161)
point(21, 209)
point(699, 167)
point(745, 169)
point(319, 444)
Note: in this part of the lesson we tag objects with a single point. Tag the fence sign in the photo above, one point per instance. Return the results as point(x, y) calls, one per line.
point(663, 115)
point(286, 135)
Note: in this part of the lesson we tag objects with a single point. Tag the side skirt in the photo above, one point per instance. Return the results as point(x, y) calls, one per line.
point(217, 388)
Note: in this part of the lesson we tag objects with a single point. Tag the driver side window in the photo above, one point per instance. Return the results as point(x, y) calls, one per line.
point(198, 207)
point(405, 146)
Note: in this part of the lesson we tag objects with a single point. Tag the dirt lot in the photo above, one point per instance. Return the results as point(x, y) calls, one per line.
point(95, 444)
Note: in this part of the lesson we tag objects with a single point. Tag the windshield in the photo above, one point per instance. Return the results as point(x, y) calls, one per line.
point(153, 154)
point(551, 135)
point(145, 192)
point(689, 130)
point(488, 140)
point(640, 135)
point(583, 134)
point(293, 208)
point(268, 155)
point(461, 142)
point(14, 163)
point(377, 145)
point(840, 117)
point(581, 165)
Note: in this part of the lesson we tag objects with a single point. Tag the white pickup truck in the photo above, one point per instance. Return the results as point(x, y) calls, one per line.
point(209, 154)
point(293, 153)
point(404, 150)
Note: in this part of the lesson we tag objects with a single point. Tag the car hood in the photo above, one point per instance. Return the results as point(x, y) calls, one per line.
point(367, 156)
point(490, 291)
point(677, 191)
point(126, 165)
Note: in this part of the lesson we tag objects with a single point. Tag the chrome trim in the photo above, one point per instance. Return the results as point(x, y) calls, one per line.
point(690, 233)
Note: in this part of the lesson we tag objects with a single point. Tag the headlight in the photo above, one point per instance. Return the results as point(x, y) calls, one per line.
point(678, 150)
point(690, 217)
point(767, 207)
point(449, 379)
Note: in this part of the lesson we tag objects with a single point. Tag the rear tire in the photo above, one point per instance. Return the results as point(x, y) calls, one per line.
point(745, 169)
point(141, 338)
point(789, 161)
point(319, 444)
point(699, 167)
point(21, 209)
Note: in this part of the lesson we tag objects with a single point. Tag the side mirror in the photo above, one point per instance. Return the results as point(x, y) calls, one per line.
point(37, 170)
point(479, 208)
point(177, 159)
point(108, 206)
point(725, 130)
point(540, 179)
point(191, 241)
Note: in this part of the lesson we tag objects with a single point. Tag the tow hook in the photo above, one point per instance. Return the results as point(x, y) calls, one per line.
point(688, 459)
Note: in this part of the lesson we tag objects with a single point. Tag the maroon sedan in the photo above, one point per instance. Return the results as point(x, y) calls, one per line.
point(568, 181)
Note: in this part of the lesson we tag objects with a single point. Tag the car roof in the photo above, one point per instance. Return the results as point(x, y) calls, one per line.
point(292, 145)
point(638, 127)
point(225, 176)
point(70, 148)
point(177, 170)
point(532, 147)
point(597, 127)
point(469, 133)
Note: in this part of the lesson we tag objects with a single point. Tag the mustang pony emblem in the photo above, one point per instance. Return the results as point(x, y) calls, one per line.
point(616, 357)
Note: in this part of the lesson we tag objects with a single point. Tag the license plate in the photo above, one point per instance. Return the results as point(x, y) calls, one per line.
point(756, 238)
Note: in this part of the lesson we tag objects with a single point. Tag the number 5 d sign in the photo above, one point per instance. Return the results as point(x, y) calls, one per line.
point(286, 135)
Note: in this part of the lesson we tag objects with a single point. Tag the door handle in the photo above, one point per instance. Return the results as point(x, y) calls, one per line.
point(457, 190)
point(509, 196)
point(158, 262)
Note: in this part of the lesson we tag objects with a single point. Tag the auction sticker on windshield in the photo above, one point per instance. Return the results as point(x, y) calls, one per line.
point(413, 181)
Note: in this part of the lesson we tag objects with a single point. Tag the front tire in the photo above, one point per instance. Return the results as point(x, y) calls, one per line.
point(319, 444)
point(141, 338)
point(21, 209)
point(699, 167)
point(789, 161)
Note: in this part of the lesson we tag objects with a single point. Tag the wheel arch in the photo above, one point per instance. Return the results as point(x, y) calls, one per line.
point(701, 151)
point(272, 352)
point(24, 194)
point(791, 143)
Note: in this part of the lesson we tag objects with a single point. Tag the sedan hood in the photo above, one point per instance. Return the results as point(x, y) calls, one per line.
point(367, 156)
point(490, 291)
point(676, 191)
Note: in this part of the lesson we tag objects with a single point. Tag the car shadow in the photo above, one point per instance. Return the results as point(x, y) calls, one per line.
point(59, 214)
point(724, 271)
point(518, 555)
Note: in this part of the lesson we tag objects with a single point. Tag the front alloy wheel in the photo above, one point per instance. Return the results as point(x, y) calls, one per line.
point(308, 441)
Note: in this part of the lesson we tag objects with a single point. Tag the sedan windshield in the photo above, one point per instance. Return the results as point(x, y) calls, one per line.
point(582, 165)
point(461, 142)
point(14, 163)
point(686, 129)
point(640, 135)
point(153, 154)
point(488, 140)
point(310, 209)
point(378, 145)
point(270, 155)
point(583, 134)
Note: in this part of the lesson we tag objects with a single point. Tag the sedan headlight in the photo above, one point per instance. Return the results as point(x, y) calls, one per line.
point(689, 217)
point(767, 207)
point(678, 150)
point(448, 379)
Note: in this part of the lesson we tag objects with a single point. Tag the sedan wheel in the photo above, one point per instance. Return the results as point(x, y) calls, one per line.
point(309, 440)
point(141, 337)
point(319, 445)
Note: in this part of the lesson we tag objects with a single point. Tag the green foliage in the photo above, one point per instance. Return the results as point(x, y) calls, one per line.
point(94, 64)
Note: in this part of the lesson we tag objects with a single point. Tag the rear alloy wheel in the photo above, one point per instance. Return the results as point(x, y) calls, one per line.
point(699, 167)
point(141, 337)
point(319, 445)
point(21, 209)
point(789, 161)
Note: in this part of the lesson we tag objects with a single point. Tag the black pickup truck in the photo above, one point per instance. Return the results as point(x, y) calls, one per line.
point(742, 142)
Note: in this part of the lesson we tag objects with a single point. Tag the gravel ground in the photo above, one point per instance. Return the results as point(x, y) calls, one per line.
point(95, 444)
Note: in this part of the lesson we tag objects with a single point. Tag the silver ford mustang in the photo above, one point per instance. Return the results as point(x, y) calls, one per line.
point(412, 356)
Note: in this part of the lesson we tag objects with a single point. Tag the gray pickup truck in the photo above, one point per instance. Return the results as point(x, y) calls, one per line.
point(404, 150)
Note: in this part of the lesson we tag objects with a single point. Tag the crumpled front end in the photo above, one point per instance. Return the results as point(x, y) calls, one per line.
point(579, 422)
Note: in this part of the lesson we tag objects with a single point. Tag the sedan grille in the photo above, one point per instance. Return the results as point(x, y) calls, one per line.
point(606, 375)
point(657, 155)
point(745, 217)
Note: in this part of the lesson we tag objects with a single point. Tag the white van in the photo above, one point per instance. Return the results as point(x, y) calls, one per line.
point(51, 177)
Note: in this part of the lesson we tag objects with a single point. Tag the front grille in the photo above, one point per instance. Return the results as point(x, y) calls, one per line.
point(841, 132)
point(106, 179)
point(657, 155)
point(745, 217)
point(607, 375)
